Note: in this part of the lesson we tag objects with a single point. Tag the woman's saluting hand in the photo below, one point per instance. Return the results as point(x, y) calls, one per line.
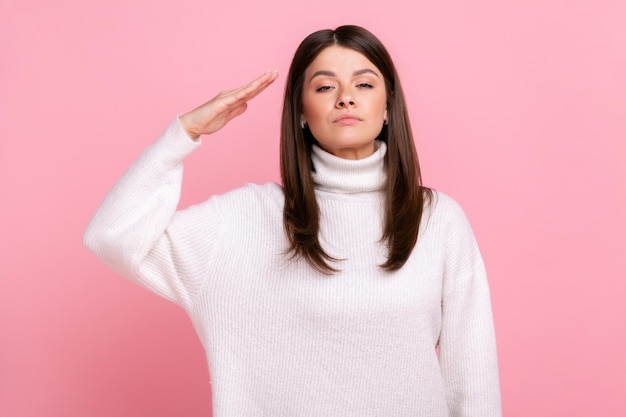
point(215, 113)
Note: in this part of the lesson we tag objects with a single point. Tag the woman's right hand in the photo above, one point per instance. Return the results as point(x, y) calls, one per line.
point(214, 114)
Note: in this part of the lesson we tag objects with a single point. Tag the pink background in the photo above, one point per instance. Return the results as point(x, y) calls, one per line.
point(519, 113)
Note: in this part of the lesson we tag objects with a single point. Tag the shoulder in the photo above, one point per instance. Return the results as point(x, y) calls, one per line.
point(445, 221)
point(444, 208)
point(269, 190)
point(251, 197)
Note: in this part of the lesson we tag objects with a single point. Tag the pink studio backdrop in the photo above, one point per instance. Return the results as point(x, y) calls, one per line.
point(519, 113)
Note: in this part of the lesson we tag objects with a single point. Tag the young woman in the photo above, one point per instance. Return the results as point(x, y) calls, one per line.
point(350, 290)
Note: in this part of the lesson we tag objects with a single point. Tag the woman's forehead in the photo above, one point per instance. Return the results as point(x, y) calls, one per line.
point(337, 60)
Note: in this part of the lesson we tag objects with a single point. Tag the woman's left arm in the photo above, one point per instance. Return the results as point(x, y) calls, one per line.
point(467, 345)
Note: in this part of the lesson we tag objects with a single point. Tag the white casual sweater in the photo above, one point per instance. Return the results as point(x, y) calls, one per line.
point(284, 340)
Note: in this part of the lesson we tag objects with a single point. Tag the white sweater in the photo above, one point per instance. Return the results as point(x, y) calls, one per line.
point(284, 340)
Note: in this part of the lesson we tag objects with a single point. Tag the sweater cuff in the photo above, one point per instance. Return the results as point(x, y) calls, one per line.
point(184, 132)
point(174, 144)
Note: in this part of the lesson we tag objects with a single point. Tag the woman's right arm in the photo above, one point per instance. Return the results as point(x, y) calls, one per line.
point(138, 232)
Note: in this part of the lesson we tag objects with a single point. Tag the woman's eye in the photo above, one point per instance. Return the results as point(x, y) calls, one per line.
point(364, 85)
point(323, 88)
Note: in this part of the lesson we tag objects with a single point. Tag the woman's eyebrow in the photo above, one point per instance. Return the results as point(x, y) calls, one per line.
point(332, 74)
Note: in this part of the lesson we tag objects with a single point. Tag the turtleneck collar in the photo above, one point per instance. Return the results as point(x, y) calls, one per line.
point(338, 175)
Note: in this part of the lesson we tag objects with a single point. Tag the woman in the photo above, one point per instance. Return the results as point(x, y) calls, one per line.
point(352, 290)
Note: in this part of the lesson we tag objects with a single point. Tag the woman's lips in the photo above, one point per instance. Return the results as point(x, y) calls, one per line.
point(347, 119)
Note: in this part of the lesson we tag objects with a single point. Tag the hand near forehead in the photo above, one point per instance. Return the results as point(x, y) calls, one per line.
point(215, 113)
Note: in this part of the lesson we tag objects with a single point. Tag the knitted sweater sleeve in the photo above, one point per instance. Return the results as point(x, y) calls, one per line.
point(138, 232)
point(467, 347)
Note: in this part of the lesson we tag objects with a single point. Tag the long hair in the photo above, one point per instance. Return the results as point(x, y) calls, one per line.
point(405, 196)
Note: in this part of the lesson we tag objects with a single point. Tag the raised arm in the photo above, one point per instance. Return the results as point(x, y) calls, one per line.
point(136, 230)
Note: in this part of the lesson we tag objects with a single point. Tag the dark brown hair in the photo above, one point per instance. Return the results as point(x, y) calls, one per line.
point(405, 196)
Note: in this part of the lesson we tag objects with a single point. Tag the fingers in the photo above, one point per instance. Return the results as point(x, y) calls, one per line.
point(264, 80)
point(255, 87)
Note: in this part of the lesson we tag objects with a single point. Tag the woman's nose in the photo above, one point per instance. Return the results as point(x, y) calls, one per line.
point(344, 103)
point(345, 99)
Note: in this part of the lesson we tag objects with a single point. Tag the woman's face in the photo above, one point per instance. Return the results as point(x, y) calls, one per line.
point(344, 102)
